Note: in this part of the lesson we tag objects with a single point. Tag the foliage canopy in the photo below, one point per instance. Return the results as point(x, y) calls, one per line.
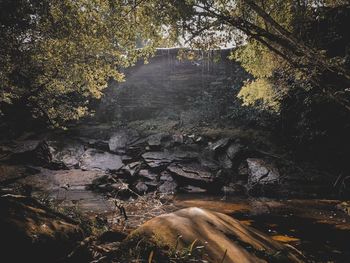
point(58, 55)
point(272, 40)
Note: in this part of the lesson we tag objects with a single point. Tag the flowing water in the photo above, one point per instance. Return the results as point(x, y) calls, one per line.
point(316, 227)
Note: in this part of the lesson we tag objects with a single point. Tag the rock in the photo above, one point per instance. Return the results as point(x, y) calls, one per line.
point(166, 177)
point(152, 185)
point(121, 139)
point(261, 172)
point(11, 173)
point(98, 144)
point(157, 159)
point(191, 172)
point(126, 158)
point(156, 140)
point(93, 159)
point(25, 146)
point(220, 235)
point(137, 147)
point(41, 155)
point(67, 153)
point(71, 188)
point(193, 189)
point(131, 169)
point(178, 138)
point(168, 187)
point(233, 150)
point(220, 144)
point(35, 152)
point(148, 175)
point(184, 154)
point(31, 232)
point(162, 159)
point(141, 187)
point(209, 162)
point(117, 143)
point(225, 161)
point(51, 181)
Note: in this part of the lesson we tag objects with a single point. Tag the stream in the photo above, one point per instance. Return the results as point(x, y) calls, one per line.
point(316, 227)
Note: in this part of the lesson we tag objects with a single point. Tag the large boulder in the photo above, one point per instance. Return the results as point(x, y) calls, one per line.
point(261, 172)
point(93, 159)
point(164, 158)
point(224, 239)
point(72, 188)
point(233, 150)
point(12, 173)
point(119, 141)
point(141, 187)
point(225, 161)
point(167, 187)
point(24, 146)
point(35, 152)
point(192, 173)
point(167, 183)
point(31, 232)
point(158, 139)
point(148, 175)
point(157, 159)
point(130, 170)
point(51, 181)
point(67, 153)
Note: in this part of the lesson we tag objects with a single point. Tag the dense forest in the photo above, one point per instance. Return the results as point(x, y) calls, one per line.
point(175, 130)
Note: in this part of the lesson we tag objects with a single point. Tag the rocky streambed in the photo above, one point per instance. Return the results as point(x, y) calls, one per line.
point(124, 178)
point(115, 160)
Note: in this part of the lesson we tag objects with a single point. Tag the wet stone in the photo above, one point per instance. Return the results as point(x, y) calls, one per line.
point(261, 172)
point(233, 150)
point(131, 168)
point(68, 153)
point(98, 144)
point(157, 159)
point(167, 187)
point(157, 139)
point(166, 176)
point(161, 159)
point(148, 175)
point(209, 163)
point(119, 141)
point(10, 173)
point(192, 172)
point(178, 138)
point(141, 187)
point(93, 159)
point(225, 161)
point(25, 146)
